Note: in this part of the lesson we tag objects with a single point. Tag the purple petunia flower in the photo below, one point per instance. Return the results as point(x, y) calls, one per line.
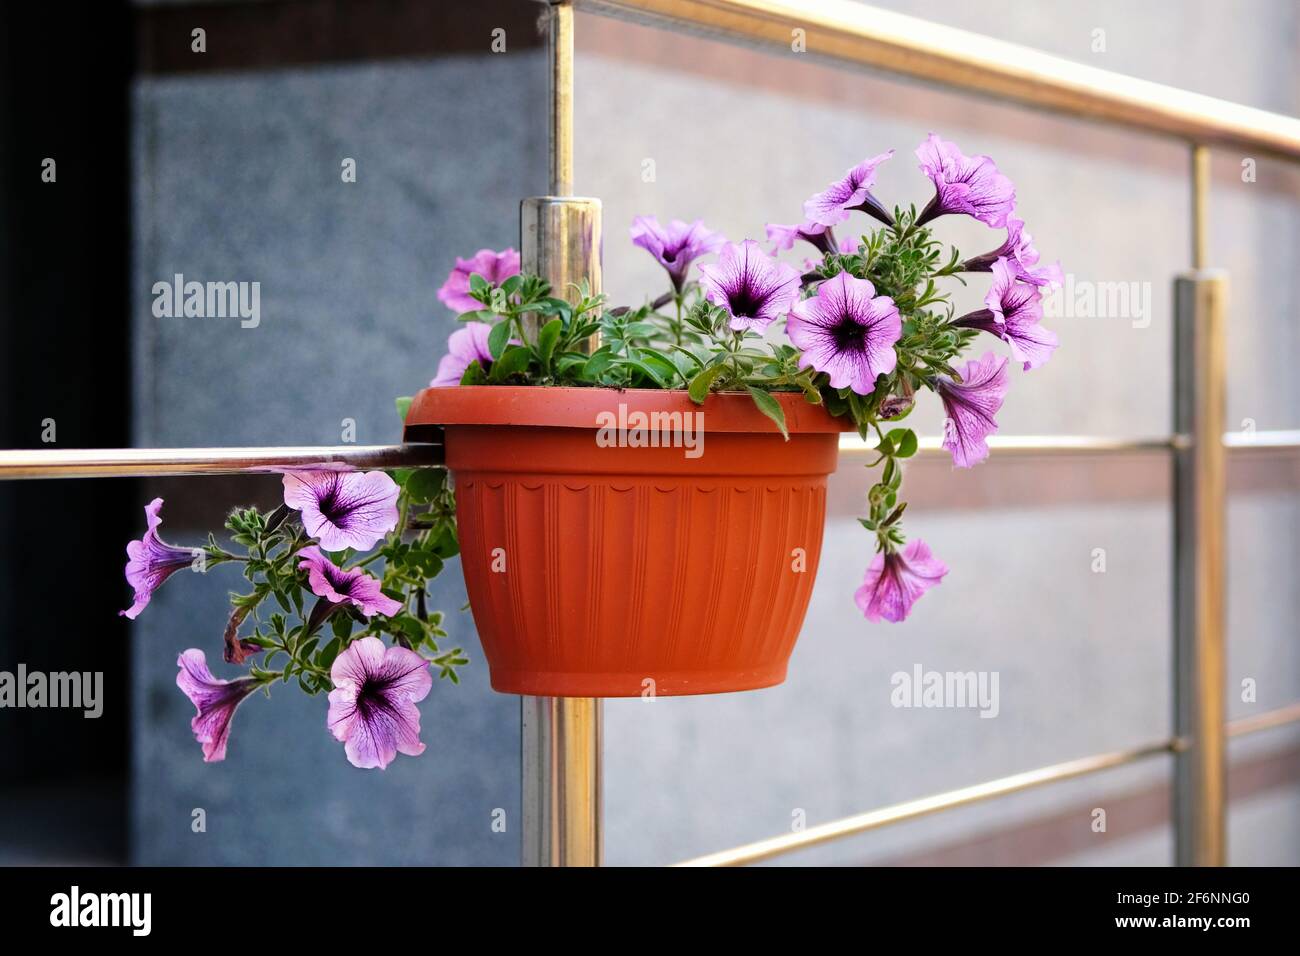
point(964, 184)
point(847, 331)
point(352, 586)
point(152, 560)
point(215, 700)
point(970, 406)
point(676, 247)
point(894, 581)
point(1019, 250)
point(343, 509)
point(784, 237)
point(754, 288)
point(465, 346)
point(1014, 314)
point(372, 707)
point(495, 267)
point(853, 192)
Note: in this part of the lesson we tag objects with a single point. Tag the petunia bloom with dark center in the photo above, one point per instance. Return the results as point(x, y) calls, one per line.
point(343, 509)
point(339, 586)
point(372, 707)
point(152, 561)
point(970, 406)
point(1019, 250)
point(1014, 314)
point(754, 288)
point(895, 581)
point(847, 331)
point(964, 184)
point(851, 193)
point(677, 246)
point(214, 699)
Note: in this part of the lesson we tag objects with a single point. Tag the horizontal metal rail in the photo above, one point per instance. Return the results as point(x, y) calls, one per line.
point(1262, 440)
point(852, 33)
point(912, 809)
point(1032, 444)
point(1090, 444)
point(162, 462)
point(1265, 721)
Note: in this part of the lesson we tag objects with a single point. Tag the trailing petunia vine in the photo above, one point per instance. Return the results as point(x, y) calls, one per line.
point(338, 574)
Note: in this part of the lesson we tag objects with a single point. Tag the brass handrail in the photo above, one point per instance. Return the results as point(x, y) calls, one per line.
point(856, 34)
point(950, 799)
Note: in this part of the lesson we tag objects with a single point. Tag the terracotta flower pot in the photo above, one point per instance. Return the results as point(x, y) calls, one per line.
point(600, 568)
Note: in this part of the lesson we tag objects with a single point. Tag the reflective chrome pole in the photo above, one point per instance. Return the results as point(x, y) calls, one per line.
point(562, 800)
point(1200, 496)
point(561, 736)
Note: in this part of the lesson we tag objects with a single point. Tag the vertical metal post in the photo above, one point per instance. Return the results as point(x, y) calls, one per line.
point(1200, 206)
point(561, 737)
point(1200, 495)
point(559, 42)
point(563, 812)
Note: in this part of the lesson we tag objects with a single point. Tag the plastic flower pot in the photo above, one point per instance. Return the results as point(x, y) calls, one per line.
point(599, 564)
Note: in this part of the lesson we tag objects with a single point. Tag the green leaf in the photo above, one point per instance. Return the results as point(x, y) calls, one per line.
point(429, 564)
point(553, 306)
point(640, 330)
point(655, 360)
point(770, 407)
point(330, 651)
point(695, 359)
point(403, 406)
point(546, 339)
point(497, 339)
point(474, 375)
point(905, 442)
point(698, 389)
point(514, 360)
point(647, 370)
point(424, 485)
point(600, 360)
point(477, 283)
point(446, 545)
point(410, 626)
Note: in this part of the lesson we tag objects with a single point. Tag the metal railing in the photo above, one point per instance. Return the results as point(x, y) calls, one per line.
point(561, 759)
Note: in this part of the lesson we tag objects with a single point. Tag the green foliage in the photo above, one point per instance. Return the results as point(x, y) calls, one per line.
point(682, 341)
point(302, 634)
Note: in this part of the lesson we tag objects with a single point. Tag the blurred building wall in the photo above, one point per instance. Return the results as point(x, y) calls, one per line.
point(238, 176)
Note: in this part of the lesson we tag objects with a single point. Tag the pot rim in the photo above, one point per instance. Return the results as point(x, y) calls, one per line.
point(564, 406)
